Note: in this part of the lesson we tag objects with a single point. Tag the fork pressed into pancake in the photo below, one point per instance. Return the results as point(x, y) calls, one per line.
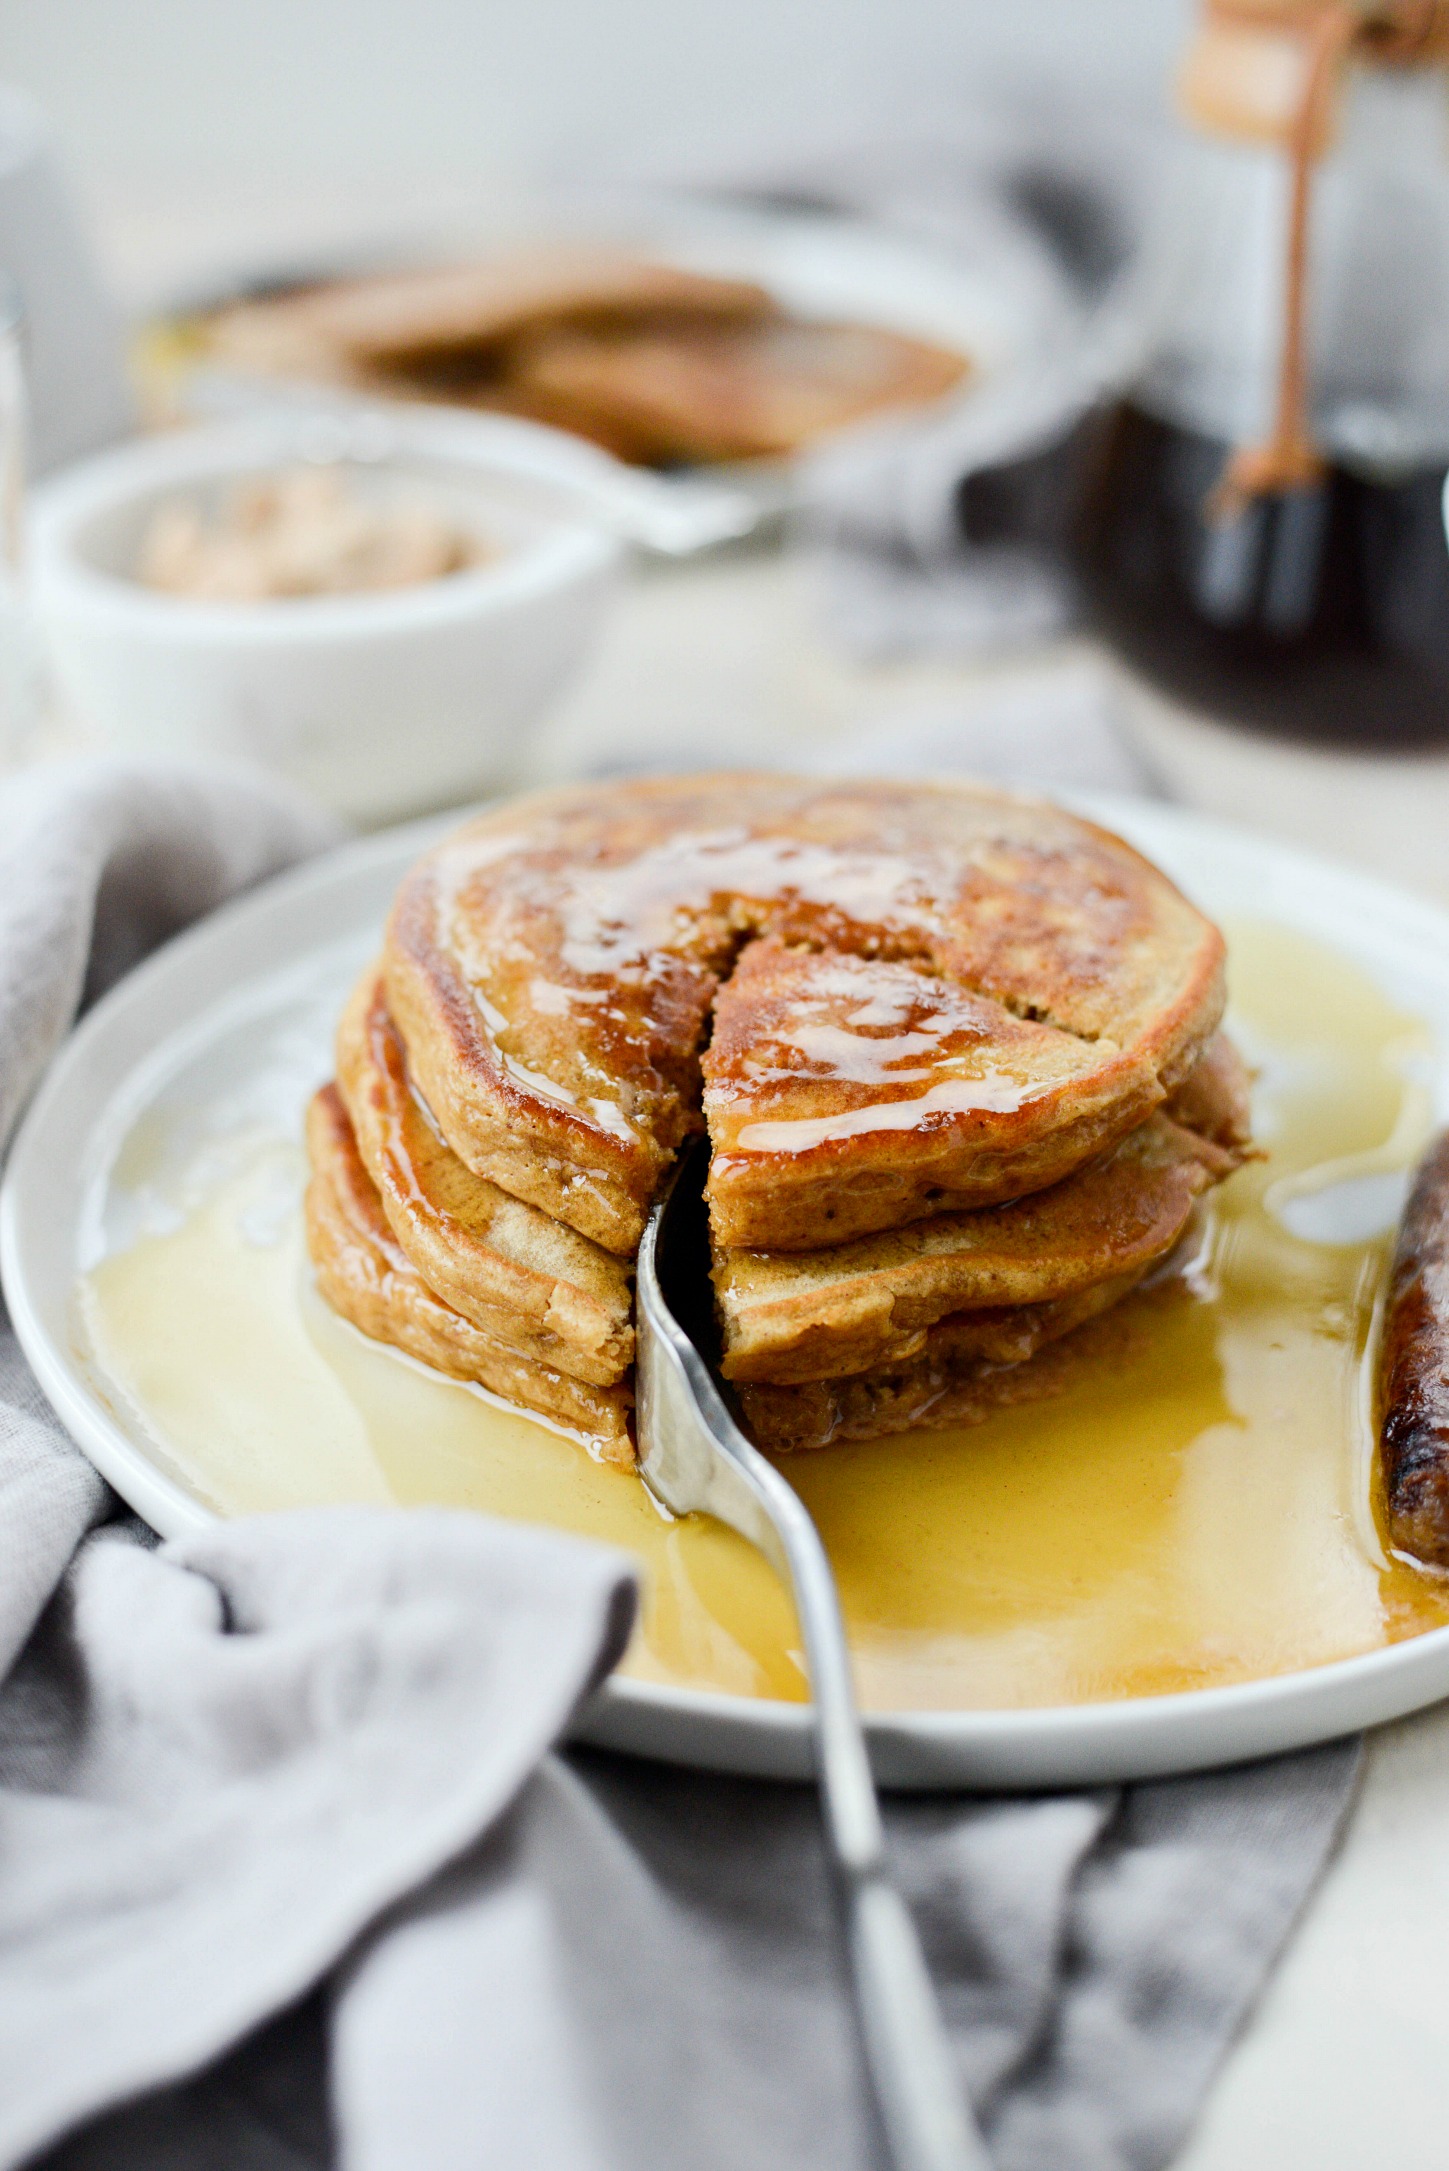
point(366, 1276)
point(991, 991)
point(785, 1317)
point(519, 1276)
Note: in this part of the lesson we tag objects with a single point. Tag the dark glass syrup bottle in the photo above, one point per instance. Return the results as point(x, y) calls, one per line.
point(1320, 613)
point(1263, 531)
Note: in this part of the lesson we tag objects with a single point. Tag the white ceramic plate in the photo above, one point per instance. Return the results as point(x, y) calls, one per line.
point(997, 300)
point(176, 1031)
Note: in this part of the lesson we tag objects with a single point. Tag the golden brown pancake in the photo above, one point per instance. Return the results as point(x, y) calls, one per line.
point(434, 314)
point(990, 991)
point(1215, 1100)
point(968, 1363)
point(723, 391)
point(906, 1093)
point(972, 1365)
point(797, 1316)
point(652, 361)
point(364, 1274)
point(521, 1277)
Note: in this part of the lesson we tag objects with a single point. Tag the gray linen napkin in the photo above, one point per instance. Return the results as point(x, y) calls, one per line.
point(288, 1879)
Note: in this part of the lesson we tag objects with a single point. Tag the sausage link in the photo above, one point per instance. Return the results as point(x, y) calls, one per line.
point(1414, 1370)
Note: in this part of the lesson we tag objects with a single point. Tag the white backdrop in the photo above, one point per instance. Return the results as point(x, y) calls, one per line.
point(152, 97)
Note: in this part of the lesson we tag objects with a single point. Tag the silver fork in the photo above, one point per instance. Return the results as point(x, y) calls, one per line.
point(694, 1458)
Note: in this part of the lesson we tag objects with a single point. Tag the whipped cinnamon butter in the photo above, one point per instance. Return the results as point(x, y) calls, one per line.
point(306, 531)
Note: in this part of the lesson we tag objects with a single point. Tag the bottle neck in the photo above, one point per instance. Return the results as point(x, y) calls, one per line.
point(1278, 73)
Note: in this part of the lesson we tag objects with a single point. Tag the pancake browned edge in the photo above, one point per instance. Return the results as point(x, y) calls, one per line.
point(924, 999)
point(518, 1275)
point(365, 1275)
point(795, 1316)
point(887, 1335)
point(956, 1381)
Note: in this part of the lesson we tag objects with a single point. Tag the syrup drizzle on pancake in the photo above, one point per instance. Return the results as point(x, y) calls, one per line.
point(865, 1031)
point(991, 1094)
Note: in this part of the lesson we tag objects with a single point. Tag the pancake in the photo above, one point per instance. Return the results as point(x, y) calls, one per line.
point(520, 1277)
point(895, 1092)
point(972, 1365)
point(426, 316)
point(722, 391)
point(990, 992)
point(1215, 1100)
point(657, 363)
point(801, 1316)
point(365, 1275)
point(437, 316)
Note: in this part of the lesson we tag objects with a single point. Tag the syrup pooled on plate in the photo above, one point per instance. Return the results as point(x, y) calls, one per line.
point(1195, 1509)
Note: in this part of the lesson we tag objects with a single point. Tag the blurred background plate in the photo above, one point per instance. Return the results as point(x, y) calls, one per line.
point(991, 293)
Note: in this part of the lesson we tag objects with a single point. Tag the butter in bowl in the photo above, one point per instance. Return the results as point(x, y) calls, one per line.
point(307, 531)
point(382, 612)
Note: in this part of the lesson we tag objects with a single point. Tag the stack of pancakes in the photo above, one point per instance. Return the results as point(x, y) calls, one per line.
point(957, 1055)
point(654, 362)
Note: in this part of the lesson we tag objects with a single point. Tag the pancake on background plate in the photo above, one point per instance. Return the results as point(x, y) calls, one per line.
point(656, 363)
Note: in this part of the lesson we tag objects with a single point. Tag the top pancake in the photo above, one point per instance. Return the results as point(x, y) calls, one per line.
point(926, 998)
point(655, 362)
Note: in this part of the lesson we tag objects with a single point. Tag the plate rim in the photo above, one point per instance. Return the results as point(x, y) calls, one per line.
point(1045, 1745)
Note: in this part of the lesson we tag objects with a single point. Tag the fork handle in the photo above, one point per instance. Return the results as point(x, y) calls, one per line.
point(694, 1457)
point(917, 2091)
point(923, 2109)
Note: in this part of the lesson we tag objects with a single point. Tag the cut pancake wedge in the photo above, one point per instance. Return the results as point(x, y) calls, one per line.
point(798, 1316)
point(365, 1275)
point(921, 1097)
point(817, 1315)
point(519, 1276)
point(970, 1366)
point(890, 1334)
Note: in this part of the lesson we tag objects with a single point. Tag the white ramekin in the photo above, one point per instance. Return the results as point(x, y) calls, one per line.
point(381, 705)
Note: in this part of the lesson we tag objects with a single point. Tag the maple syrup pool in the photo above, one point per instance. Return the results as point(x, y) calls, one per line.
point(1196, 1509)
